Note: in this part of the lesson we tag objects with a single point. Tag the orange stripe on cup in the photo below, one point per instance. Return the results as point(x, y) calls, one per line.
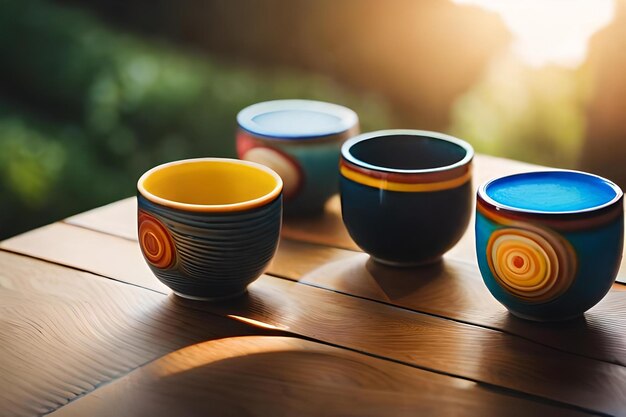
point(385, 184)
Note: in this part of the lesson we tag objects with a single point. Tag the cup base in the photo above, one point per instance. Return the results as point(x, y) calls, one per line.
point(545, 320)
point(211, 299)
point(405, 264)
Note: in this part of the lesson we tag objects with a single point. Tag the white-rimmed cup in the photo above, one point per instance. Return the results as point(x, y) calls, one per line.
point(406, 195)
point(299, 139)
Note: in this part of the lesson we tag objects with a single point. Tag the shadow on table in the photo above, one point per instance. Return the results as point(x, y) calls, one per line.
point(283, 376)
point(455, 290)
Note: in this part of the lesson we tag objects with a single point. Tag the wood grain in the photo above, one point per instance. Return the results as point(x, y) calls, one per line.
point(424, 341)
point(72, 246)
point(118, 218)
point(64, 333)
point(478, 354)
point(280, 376)
point(453, 289)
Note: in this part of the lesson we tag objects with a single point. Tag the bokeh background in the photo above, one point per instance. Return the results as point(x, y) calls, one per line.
point(93, 93)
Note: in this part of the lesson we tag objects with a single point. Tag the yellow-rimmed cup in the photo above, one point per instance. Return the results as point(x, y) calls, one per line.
point(208, 227)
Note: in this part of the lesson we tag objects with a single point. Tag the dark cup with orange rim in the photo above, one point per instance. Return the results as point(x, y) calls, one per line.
point(208, 227)
point(406, 195)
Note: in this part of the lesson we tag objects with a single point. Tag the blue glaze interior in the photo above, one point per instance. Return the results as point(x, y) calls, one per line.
point(558, 191)
point(407, 152)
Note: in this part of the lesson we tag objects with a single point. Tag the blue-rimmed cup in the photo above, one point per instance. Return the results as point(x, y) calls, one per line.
point(549, 243)
point(300, 140)
point(406, 195)
point(208, 227)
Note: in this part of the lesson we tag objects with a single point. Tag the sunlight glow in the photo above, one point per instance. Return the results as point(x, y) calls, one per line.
point(206, 353)
point(257, 323)
point(550, 31)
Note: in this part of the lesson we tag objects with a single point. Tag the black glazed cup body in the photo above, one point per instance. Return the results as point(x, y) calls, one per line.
point(406, 195)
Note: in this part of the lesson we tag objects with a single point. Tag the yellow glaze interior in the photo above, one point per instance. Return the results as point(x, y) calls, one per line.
point(210, 184)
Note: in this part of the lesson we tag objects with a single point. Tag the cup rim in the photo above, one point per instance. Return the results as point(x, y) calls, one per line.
point(245, 118)
point(482, 194)
point(347, 146)
point(215, 208)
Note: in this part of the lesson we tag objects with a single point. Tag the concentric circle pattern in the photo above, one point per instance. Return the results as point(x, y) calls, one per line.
point(286, 166)
point(155, 241)
point(534, 265)
point(214, 255)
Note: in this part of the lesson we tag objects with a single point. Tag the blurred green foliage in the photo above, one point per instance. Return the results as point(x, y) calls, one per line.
point(89, 109)
point(531, 114)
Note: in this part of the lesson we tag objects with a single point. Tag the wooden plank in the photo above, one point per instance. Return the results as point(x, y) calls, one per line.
point(424, 341)
point(74, 247)
point(273, 376)
point(295, 259)
point(455, 291)
point(489, 357)
point(120, 218)
point(64, 332)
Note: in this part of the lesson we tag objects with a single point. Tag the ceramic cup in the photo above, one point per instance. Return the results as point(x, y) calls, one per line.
point(299, 139)
point(406, 195)
point(208, 227)
point(549, 244)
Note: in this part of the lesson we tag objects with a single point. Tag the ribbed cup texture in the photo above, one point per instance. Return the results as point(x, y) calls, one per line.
point(215, 254)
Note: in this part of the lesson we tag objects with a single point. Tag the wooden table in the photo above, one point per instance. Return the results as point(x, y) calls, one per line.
point(87, 330)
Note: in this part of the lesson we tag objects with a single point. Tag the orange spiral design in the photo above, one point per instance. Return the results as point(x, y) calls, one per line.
point(534, 265)
point(155, 241)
